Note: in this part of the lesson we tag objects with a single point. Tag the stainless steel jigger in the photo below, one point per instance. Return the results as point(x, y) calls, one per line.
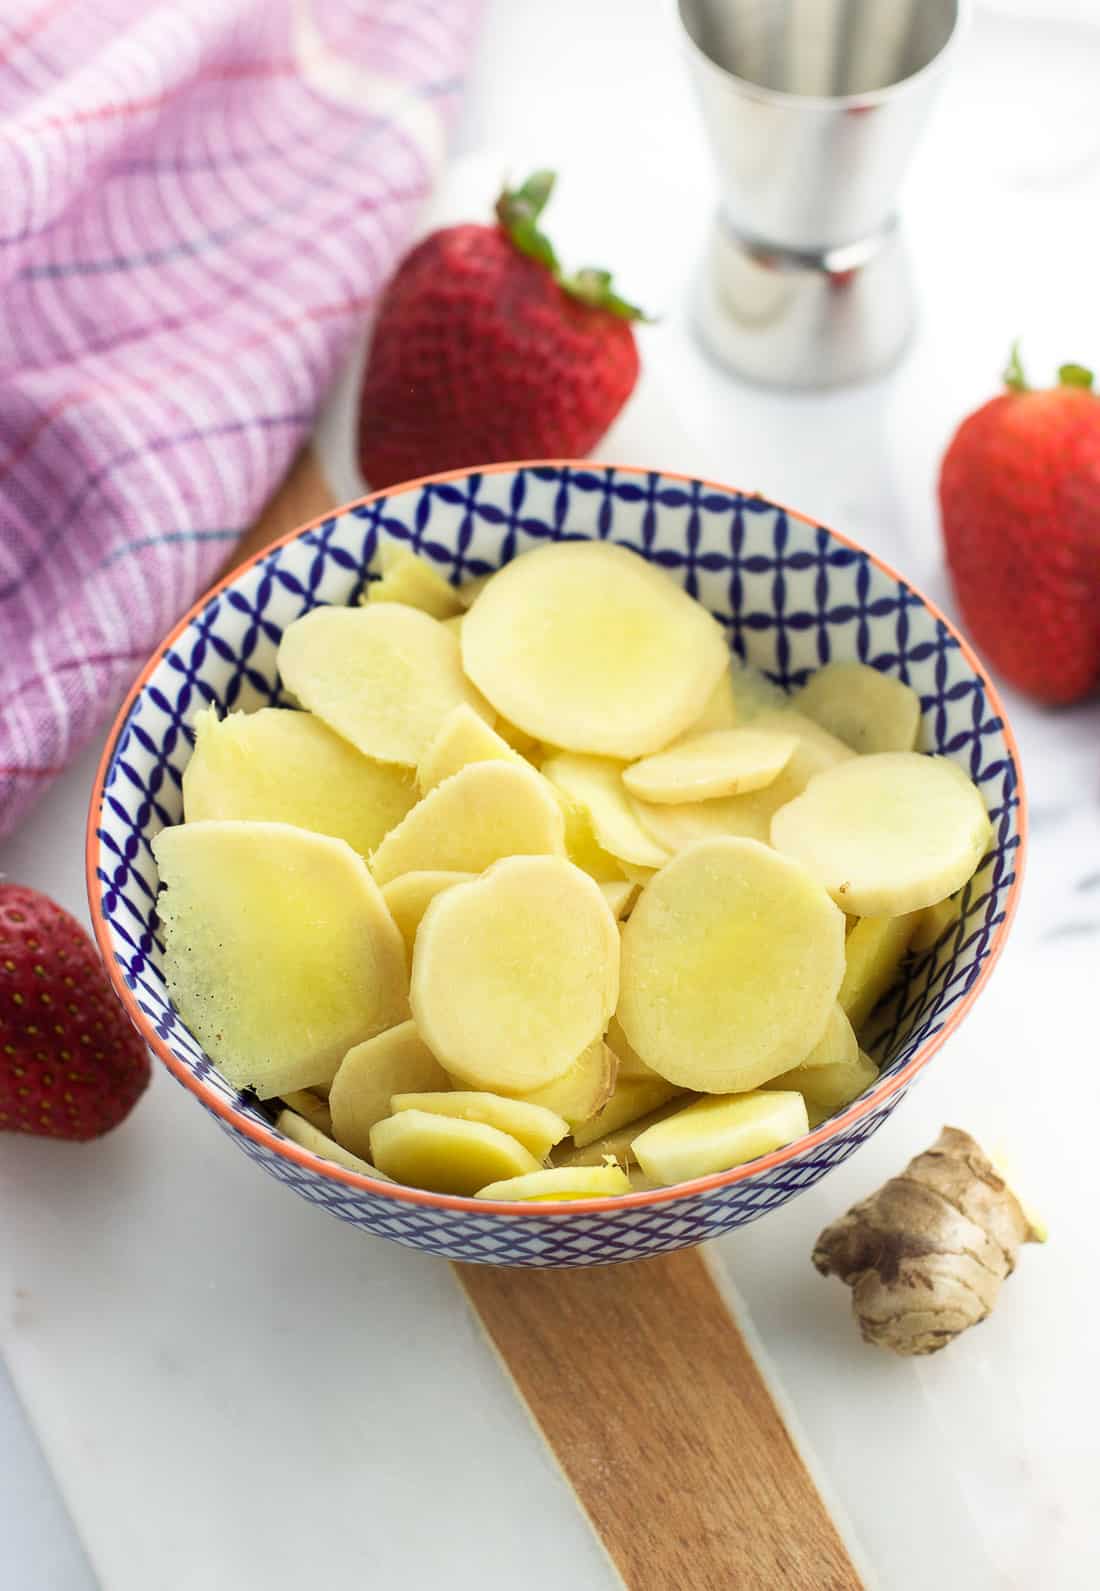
point(813, 109)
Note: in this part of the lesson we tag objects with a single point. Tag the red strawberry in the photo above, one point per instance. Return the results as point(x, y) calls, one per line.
point(483, 351)
point(71, 1066)
point(1020, 500)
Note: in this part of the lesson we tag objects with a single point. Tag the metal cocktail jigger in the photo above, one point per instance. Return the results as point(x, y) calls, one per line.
point(813, 109)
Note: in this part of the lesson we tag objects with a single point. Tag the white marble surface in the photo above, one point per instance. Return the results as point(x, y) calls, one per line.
point(234, 1390)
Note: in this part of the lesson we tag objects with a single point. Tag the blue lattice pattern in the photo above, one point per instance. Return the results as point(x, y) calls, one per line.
point(790, 595)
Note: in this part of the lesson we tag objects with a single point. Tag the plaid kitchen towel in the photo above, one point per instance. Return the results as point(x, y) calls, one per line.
point(198, 201)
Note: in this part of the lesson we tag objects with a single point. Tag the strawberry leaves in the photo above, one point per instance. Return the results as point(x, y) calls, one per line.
point(518, 211)
point(593, 287)
point(1068, 375)
point(1075, 376)
point(1013, 377)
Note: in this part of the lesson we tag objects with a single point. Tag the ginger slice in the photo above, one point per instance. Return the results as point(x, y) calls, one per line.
point(535, 1127)
point(887, 834)
point(482, 813)
point(445, 1153)
point(307, 1136)
point(582, 1090)
point(384, 676)
point(868, 710)
point(463, 737)
point(722, 762)
point(279, 951)
point(414, 582)
point(561, 1182)
point(586, 646)
point(279, 766)
point(731, 963)
point(515, 974)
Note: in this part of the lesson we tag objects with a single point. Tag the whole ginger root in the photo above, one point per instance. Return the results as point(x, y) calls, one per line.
point(925, 1256)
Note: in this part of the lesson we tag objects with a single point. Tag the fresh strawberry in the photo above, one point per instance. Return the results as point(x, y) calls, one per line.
point(71, 1066)
point(483, 351)
point(1020, 501)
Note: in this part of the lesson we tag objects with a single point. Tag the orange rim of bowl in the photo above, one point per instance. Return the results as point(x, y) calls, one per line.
point(266, 1136)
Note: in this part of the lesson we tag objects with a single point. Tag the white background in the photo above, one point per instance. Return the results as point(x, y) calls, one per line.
point(175, 1303)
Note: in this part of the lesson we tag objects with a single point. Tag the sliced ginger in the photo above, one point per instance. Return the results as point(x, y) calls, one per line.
point(395, 1062)
point(561, 1182)
point(616, 1145)
point(535, 1127)
point(279, 951)
point(833, 1073)
point(934, 921)
point(469, 591)
point(868, 710)
point(838, 1045)
point(634, 1097)
point(279, 766)
point(310, 1105)
point(384, 676)
point(515, 974)
point(720, 710)
point(664, 765)
point(630, 1063)
point(731, 963)
point(753, 692)
point(637, 874)
point(307, 1136)
point(518, 739)
point(410, 894)
point(873, 953)
point(831, 1087)
point(586, 646)
point(827, 1088)
point(620, 894)
point(484, 812)
point(463, 737)
point(749, 815)
point(724, 762)
point(716, 1134)
point(581, 844)
point(596, 782)
point(583, 1089)
point(887, 834)
point(445, 1153)
point(412, 580)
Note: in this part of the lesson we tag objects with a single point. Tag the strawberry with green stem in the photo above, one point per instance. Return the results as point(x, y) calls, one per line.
point(485, 351)
point(1020, 505)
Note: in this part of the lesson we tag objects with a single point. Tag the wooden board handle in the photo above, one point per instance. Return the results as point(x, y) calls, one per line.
point(641, 1380)
point(303, 495)
point(657, 1412)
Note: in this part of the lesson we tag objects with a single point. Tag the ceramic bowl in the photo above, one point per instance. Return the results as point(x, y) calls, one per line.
point(790, 594)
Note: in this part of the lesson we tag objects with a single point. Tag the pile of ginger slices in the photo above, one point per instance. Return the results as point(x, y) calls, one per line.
point(538, 894)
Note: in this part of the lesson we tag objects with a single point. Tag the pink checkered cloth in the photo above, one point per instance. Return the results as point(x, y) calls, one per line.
point(198, 201)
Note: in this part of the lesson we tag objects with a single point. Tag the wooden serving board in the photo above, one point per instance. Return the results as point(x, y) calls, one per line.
point(304, 495)
point(649, 1396)
point(641, 1380)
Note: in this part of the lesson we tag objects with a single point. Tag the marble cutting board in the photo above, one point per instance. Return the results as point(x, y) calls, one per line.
point(235, 1390)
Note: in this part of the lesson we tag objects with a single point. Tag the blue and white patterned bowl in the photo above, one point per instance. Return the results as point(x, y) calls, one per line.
point(790, 594)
